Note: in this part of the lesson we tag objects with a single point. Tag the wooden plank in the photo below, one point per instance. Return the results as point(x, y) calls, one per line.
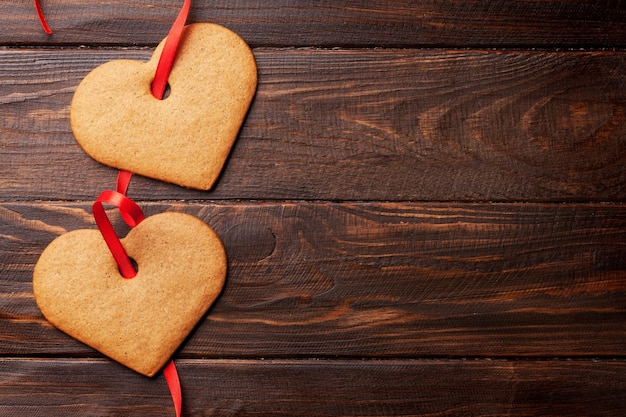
point(318, 387)
point(371, 279)
point(521, 23)
point(423, 213)
point(334, 125)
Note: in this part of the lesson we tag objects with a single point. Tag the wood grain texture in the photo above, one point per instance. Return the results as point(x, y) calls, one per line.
point(318, 387)
point(334, 125)
point(372, 280)
point(423, 212)
point(384, 23)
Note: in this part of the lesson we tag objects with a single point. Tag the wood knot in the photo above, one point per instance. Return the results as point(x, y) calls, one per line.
point(249, 242)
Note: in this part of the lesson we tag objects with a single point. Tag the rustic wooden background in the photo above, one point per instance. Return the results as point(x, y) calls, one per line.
point(423, 212)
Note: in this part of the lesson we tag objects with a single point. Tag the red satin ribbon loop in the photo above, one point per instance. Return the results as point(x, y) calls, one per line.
point(132, 215)
point(131, 212)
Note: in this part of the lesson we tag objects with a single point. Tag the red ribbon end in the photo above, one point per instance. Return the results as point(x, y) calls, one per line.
point(42, 18)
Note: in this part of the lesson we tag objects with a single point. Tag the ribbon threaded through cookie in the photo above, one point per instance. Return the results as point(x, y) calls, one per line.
point(166, 60)
point(132, 215)
point(130, 212)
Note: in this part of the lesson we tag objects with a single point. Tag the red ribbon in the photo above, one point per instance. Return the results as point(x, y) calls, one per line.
point(42, 18)
point(173, 383)
point(132, 215)
point(129, 210)
point(166, 61)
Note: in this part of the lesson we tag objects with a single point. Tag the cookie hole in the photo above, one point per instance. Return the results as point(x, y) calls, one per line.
point(135, 267)
point(167, 91)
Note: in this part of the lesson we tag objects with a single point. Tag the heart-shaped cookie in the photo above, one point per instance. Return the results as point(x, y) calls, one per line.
point(184, 138)
point(138, 322)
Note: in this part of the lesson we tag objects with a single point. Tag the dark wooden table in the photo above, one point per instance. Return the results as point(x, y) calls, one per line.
point(423, 212)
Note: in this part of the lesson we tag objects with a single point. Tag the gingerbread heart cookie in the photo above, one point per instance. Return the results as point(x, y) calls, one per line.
point(138, 322)
point(183, 139)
